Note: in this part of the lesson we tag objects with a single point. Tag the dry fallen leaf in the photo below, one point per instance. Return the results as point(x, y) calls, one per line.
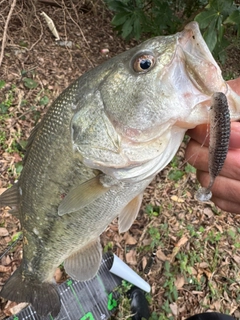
point(236, 258)
point(178, 246)
point(177, 199)
point(58, 275)
point(161, 255)
point(174, 308)
point(129, 239)
point(179, 282)
point(18, 307)
point(131, 258)
point(3, 232)
point(4, 269)
point(203, 265)
point(182, 241)
point(208, 212)
point(2, 190)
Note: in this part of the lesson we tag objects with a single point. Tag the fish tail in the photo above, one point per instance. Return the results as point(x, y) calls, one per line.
point(43, 296)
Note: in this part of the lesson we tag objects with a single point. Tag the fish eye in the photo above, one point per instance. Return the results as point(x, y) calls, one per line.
point(143, 63)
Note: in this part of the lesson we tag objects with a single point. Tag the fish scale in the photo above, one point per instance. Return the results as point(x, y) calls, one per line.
point(95, 151)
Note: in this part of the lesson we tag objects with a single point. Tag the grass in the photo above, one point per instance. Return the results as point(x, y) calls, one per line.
point(16, 115)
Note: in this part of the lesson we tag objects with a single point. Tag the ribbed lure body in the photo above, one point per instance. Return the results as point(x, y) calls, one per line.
point(219, 141)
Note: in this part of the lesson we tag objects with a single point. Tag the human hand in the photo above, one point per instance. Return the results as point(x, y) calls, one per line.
point(226, 188)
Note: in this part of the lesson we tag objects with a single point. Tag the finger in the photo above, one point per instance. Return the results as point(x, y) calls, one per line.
point(197, 156)
point(201, 135)
point(226, 205)
point(223, 188)
point(235, 85)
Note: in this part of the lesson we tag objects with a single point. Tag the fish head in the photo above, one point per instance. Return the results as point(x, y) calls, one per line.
point(146, 100)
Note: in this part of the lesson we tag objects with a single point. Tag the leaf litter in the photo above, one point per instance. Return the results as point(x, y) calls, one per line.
point(197, 263)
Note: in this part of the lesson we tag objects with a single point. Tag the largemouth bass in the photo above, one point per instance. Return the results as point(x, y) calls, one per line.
point(97, 148)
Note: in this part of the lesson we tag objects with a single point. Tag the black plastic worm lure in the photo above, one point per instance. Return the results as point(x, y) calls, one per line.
point(219, 141)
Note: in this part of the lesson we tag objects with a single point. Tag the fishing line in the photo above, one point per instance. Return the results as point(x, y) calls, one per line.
point(195, 155)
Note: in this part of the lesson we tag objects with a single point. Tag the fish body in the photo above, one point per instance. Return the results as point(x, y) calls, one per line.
point(220, 127)
point(95, 151)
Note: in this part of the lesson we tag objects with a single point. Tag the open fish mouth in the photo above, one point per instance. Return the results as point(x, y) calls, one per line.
point(200, 65)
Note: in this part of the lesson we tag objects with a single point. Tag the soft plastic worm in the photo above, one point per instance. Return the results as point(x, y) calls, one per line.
point(219, 141)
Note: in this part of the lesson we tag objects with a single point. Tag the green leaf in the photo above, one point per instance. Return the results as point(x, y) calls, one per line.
point(18, 167)
point(15, 237)
point(210, 35)
point(23, 143)
point(118, 5)
point(189, 168)
point(137, 29)
point(127, 28)
point(205, 18)
point(175, 175)
point(220, 29)
point(2, 84)
point(221, 5)
point(30, 83)
point(44, 101)
point(119, 18)
point(233, 18)
point(3, 108)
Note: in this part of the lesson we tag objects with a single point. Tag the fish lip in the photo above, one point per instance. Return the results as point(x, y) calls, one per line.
point(197, 56)
point(191, 37)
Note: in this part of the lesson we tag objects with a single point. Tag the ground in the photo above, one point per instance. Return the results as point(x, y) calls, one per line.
point(197, 246)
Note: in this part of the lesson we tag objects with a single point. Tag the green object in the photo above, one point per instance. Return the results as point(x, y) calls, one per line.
point(95, 299)
point(112, 303)
point(88, 316)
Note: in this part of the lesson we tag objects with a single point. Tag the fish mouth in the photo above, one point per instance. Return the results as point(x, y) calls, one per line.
point(200, 65)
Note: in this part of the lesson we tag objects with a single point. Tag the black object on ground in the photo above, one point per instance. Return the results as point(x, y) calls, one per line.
point(139, 304)
point(211, 316)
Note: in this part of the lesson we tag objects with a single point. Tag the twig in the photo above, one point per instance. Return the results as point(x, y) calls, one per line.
point(39, 39)
point(5, 30)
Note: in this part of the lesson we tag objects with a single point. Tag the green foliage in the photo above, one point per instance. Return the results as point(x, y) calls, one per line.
point(152, 211)
point(15, 237)
point(155, 237)
point(171, 291)
point(44, 101)
point(138, 18)
point(30, 83)
point(175, 174)
point(2, 84)
point(216, 17)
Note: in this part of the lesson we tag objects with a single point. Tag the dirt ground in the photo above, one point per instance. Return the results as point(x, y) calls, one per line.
point(197, 264)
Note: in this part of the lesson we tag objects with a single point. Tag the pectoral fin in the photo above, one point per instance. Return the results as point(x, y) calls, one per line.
point(10, 198)
point(81, 196)
point(84, 264)
point(129, 214)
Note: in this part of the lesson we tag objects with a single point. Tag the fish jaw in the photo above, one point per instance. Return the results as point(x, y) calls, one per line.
point(194, 77)
point(201, 67)
point(144, 114)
